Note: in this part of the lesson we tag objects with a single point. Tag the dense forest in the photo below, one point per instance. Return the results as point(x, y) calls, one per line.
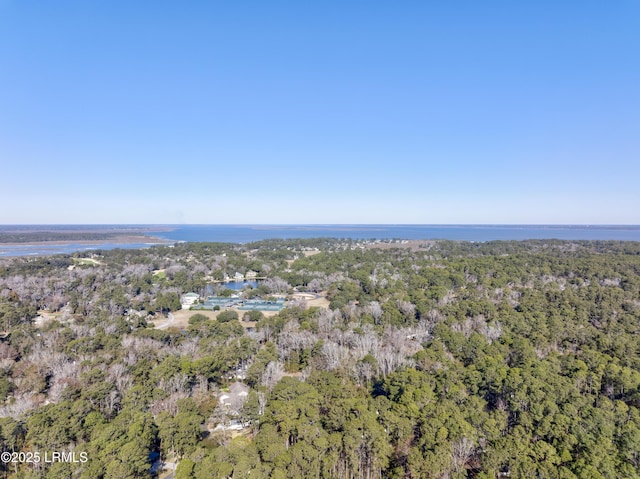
point(431, 360)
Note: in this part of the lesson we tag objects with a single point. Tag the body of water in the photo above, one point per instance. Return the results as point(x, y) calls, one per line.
point(238, 285)
point(249, 233)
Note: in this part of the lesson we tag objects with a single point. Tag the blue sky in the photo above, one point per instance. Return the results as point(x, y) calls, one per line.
point(320, 112)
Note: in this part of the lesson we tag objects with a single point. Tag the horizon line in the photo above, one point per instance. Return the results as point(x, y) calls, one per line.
point(318, 224)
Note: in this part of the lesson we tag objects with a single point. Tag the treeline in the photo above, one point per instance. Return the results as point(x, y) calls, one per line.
point(453, 360)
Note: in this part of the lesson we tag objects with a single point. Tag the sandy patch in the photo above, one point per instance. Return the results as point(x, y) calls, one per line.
point(305, 296)
point(311, 299)
point(321, 302)
point(45, 317)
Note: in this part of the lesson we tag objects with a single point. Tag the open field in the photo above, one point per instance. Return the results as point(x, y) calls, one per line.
point(181, 318)
point(86, 261)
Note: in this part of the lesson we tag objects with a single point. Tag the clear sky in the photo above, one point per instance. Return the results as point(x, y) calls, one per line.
point(320, 112)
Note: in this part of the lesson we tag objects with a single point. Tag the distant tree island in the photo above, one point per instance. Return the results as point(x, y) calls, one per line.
point(22, 234)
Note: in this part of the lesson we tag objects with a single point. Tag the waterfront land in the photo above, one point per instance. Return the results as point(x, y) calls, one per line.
point(393, 359)
point(69, 234)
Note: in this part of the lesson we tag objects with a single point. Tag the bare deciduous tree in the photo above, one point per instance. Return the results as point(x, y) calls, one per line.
point(276, 285)
point(463, 450)
point(375, 310)
point(272, 374)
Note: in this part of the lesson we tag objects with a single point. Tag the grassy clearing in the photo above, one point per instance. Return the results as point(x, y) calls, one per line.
point(86, 261)
point(159, 274)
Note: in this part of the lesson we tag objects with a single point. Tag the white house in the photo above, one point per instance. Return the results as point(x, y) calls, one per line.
point(189, 299)
point(251, 274)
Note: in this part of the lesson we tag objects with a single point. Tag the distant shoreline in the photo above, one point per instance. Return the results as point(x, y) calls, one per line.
point(52, 239)
point(124, 239)
point(42, 235)
point(25, 240)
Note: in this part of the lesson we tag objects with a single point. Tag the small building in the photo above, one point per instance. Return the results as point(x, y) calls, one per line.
point(234, 398)
point(238, 277)
point(251, 275)
point(189, 299)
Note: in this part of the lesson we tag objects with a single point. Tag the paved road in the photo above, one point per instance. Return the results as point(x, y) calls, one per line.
point(167, 323)
point(172, 466)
